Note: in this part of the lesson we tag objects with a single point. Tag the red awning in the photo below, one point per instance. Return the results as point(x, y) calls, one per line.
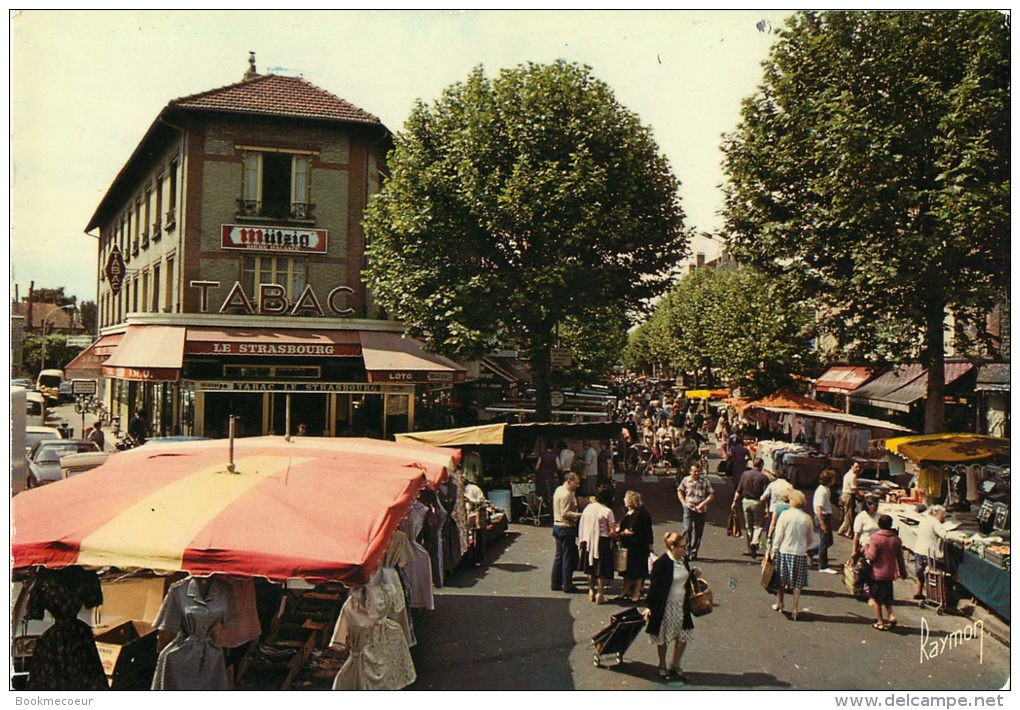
point(88, 365)
point(262, 342)
point(389, 357)
point(842, 379)
point(147, 353)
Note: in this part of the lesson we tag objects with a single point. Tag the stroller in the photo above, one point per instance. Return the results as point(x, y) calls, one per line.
point(533, 509)
point(616, 638)
point(642, 459)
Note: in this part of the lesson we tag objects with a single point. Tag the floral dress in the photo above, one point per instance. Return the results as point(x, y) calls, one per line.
point(379, 655)
point(65, 656)
point(672, 627)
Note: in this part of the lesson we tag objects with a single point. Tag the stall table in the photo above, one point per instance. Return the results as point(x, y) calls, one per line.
point(988, 583)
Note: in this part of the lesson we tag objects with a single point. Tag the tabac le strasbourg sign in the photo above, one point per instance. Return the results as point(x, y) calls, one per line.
point(261, 238)
point(115, 270)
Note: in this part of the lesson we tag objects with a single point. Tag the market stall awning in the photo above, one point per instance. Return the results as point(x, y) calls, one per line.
point(706, 394)
point(949, 448)
point(309, 508)
point(147, 353)
point(842, 379)
point(851, 419)
point(88, 365)
point(263, 342)
point(917, 388)
point(993, 377)
point(788, 400)
point(497, 434)
point(483, 435)
point(900, 388)
point(389, 357)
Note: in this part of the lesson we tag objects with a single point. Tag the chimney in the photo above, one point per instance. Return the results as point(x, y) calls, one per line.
point(252, 72)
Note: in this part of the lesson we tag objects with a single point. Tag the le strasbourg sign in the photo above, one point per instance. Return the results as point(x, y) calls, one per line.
point(304, 241)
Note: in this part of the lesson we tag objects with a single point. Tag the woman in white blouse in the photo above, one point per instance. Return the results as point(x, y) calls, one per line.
point(789, 550)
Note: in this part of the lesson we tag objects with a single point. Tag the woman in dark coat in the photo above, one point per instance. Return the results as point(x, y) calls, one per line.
point(635, 537)
point(669, 606)
point(65, 656)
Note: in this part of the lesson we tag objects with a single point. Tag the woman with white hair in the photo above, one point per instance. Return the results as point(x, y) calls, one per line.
point(928, 545)
point(789, 550)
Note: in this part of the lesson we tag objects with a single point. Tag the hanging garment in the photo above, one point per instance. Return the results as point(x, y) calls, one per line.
point(419, 570)
point(930, 480)
point(379, 657)
point(193, 661)
point(244, 627)
point(65, 656)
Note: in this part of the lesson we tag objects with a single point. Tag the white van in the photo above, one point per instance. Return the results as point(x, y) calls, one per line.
point(48, 383)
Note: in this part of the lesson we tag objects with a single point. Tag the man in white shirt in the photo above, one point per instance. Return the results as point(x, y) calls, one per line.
point(566, 459)
point(931, 533)
point(847, 500)
point(591, 468)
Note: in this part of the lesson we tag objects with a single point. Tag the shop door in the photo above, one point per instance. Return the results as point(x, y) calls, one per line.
point(219, 407)
point(308, 409)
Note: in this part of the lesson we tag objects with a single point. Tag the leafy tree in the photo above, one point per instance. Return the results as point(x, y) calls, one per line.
point(596, 341)
point(516, 204)
point(52, 295)
point(58, 354)
point(872, 166)
point(88, 313)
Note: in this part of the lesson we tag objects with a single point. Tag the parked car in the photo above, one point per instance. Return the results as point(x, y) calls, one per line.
point(35, 409)
point(27, 382)
point(73, 464)
point(44, 459)
point(48, 382)
point(38, 433)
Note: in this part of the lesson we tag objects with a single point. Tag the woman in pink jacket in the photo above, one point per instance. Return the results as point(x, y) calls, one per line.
point(885, 553)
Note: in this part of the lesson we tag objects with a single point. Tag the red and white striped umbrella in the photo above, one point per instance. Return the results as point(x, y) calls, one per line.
point(311, 508)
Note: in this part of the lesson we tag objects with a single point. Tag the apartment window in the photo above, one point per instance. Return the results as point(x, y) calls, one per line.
point(138, 227)
point(157, 229)
point(155, 288)
point(169, 285)
point(145, 291)
point(285, 271)
point(171, 200)
point(134, 296)
point(276, 185)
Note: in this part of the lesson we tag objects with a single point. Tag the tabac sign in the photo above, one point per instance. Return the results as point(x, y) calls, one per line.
point(115, 270)
point(274, 239)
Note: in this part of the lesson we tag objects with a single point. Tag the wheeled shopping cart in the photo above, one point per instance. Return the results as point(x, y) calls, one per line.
point(533, 509)
point(616, 638)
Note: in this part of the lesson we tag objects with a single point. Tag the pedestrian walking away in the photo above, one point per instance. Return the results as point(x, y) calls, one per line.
point(885, 553)
point(595, 533)
point(695, 492)
point(789, 550)
point(750, 489)
point(565, 519)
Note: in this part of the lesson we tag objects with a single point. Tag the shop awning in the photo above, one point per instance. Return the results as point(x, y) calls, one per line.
point(147, 353)
point(706, 394)
point(262, 342)
point(851, 419)
point(788, 401)
point(389, 357)
point(88, 365)
point(909, 390)
point(993, 377)
point(842, 379)
point(497, 434)
point(877, 393)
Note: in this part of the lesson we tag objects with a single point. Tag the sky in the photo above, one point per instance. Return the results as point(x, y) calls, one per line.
point(86, 85)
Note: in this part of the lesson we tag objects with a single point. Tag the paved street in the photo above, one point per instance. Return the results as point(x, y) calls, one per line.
point(499, 627)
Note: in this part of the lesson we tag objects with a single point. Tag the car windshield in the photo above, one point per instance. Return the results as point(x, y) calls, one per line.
point(49, 381)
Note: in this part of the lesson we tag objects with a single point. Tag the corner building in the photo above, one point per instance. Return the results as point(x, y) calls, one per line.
point(230, 272)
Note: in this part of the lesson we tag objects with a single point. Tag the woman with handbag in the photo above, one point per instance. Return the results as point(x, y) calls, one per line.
point(792, 540)
point(595, 533)
point(669, 614)
point(635, 534)
point(885, 553)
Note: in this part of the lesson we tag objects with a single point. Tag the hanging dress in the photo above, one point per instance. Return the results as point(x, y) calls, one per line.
point(419, 570)
point(379, 657)
point(65, 656)
point(193, 661)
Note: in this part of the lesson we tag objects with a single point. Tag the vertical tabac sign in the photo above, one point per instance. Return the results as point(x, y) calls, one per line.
point(115, 270)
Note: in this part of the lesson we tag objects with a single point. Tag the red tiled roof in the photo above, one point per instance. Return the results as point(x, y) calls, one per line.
point(59, 318)
point(279, 96)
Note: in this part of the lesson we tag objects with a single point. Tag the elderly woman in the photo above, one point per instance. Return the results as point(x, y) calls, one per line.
point(789, 550)
point(669, 611)
point(635, 533)
point(885, 553)
point(595, 534)
point(865, 525)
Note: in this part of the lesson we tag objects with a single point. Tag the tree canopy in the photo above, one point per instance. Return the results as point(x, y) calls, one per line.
point(518, 203)
point(872, 166)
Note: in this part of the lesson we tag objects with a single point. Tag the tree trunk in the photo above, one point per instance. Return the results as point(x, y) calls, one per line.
point(540, 368)
point(934, 360)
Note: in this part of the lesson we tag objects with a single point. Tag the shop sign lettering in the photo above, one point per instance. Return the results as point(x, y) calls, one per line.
point(323, 387)
point(272, 300)
point(253, 237)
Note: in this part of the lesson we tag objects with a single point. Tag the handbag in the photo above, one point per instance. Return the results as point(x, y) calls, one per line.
point(701, 600)
point(620, 558)
point(769, 577)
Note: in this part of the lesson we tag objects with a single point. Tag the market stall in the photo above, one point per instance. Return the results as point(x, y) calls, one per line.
point(308, 519)
point(969, 475)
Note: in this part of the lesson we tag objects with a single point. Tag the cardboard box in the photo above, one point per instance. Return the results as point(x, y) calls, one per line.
point(128, 600)
point(128, 654)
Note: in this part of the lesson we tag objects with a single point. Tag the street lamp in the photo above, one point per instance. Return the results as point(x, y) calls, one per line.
point(46, 318)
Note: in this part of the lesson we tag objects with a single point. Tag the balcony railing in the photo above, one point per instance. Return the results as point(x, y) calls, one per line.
point(294, 211)
point(157, 233)
point(171, 219)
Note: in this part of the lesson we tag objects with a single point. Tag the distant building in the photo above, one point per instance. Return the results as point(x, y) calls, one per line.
point(230, 271)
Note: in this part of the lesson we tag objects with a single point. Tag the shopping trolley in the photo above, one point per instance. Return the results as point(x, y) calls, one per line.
point(533, 509)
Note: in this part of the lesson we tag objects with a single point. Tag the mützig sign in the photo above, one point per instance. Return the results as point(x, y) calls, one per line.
point(272, 300)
